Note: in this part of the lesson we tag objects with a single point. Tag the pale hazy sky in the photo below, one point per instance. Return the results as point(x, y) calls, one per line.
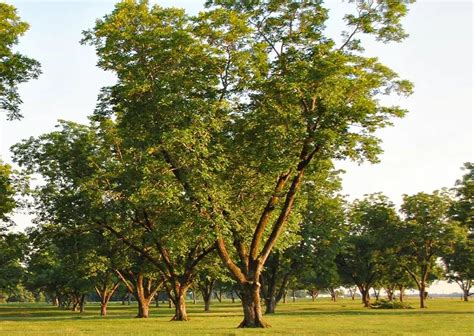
point(423, 152)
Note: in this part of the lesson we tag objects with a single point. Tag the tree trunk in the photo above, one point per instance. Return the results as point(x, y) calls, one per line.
point(143, 308)
point(103, 309)
point(466, 295)
point(232, 296)
point(422, 296)
point(314, 294)
point(376, 294)
point(82, 303)
point(180, 313)
point(143, 297)
point(251, 305)
point(206, 287)
point(365, 296)
point(332, 291)
point(293, 295)
point(270, 305)
point(390, 290)
point(402, 293)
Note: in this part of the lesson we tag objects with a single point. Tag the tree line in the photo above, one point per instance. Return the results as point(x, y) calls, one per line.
point(211, 161)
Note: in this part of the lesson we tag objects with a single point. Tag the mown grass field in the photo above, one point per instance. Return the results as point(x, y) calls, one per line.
point(345, 317)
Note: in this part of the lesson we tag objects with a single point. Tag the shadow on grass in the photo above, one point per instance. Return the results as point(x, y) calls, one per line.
point(372, 312)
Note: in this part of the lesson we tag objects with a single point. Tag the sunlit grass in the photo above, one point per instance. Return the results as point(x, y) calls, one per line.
point(345, 317)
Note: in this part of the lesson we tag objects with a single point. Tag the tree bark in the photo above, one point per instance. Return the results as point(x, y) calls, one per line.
point(82, 303)
point(365, 296)
point(466, 295)
point(180, 313)
point(143, 288)
point(401, 293)
point(332, 291)
point(270, 304)
point(422, 296)
point(253, 317)
point(206, 287)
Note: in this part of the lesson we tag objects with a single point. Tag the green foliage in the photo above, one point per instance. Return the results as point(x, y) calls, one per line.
point(15, 68)
point(12, 247)
point(386, 304)
point(459, 261)
point(7, 193)
point(462, 209)
point(366, 249)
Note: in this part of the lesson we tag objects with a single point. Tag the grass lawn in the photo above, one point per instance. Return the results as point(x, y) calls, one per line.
point(345, 317)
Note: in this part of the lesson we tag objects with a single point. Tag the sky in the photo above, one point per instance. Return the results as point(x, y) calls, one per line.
point(423, 151)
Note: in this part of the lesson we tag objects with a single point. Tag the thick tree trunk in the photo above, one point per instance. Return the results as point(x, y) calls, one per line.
point(82, 303)
point(270, 305)
point(103, 309)
point(180, 313)
point(143, 297)
point(466, 295)
point(143, 308)
point(251, 305)
point(365, 296)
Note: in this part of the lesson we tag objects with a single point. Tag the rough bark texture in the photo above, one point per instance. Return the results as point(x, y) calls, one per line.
point(364, 292)
point(143, 288)
point(180, 313)
point(274, 282)
point(105, 292)
point(253, 317)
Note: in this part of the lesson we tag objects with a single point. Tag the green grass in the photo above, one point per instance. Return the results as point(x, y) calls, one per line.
point(345, 317)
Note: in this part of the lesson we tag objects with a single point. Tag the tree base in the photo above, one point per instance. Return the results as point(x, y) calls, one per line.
point(180, 319)
point(255, 324)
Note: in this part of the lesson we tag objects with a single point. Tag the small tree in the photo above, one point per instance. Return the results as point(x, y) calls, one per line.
point(425, 235)
point(460, 261)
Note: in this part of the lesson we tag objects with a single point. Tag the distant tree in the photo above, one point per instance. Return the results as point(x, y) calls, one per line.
point(370, 220)
point(322, 231)
point(459, 262)
point(12, 255)
point(15, 68)
point(426, 233)
point(211, 277)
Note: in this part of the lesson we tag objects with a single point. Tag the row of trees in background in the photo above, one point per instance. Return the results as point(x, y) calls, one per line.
point(365, 244)
point(211, 161)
